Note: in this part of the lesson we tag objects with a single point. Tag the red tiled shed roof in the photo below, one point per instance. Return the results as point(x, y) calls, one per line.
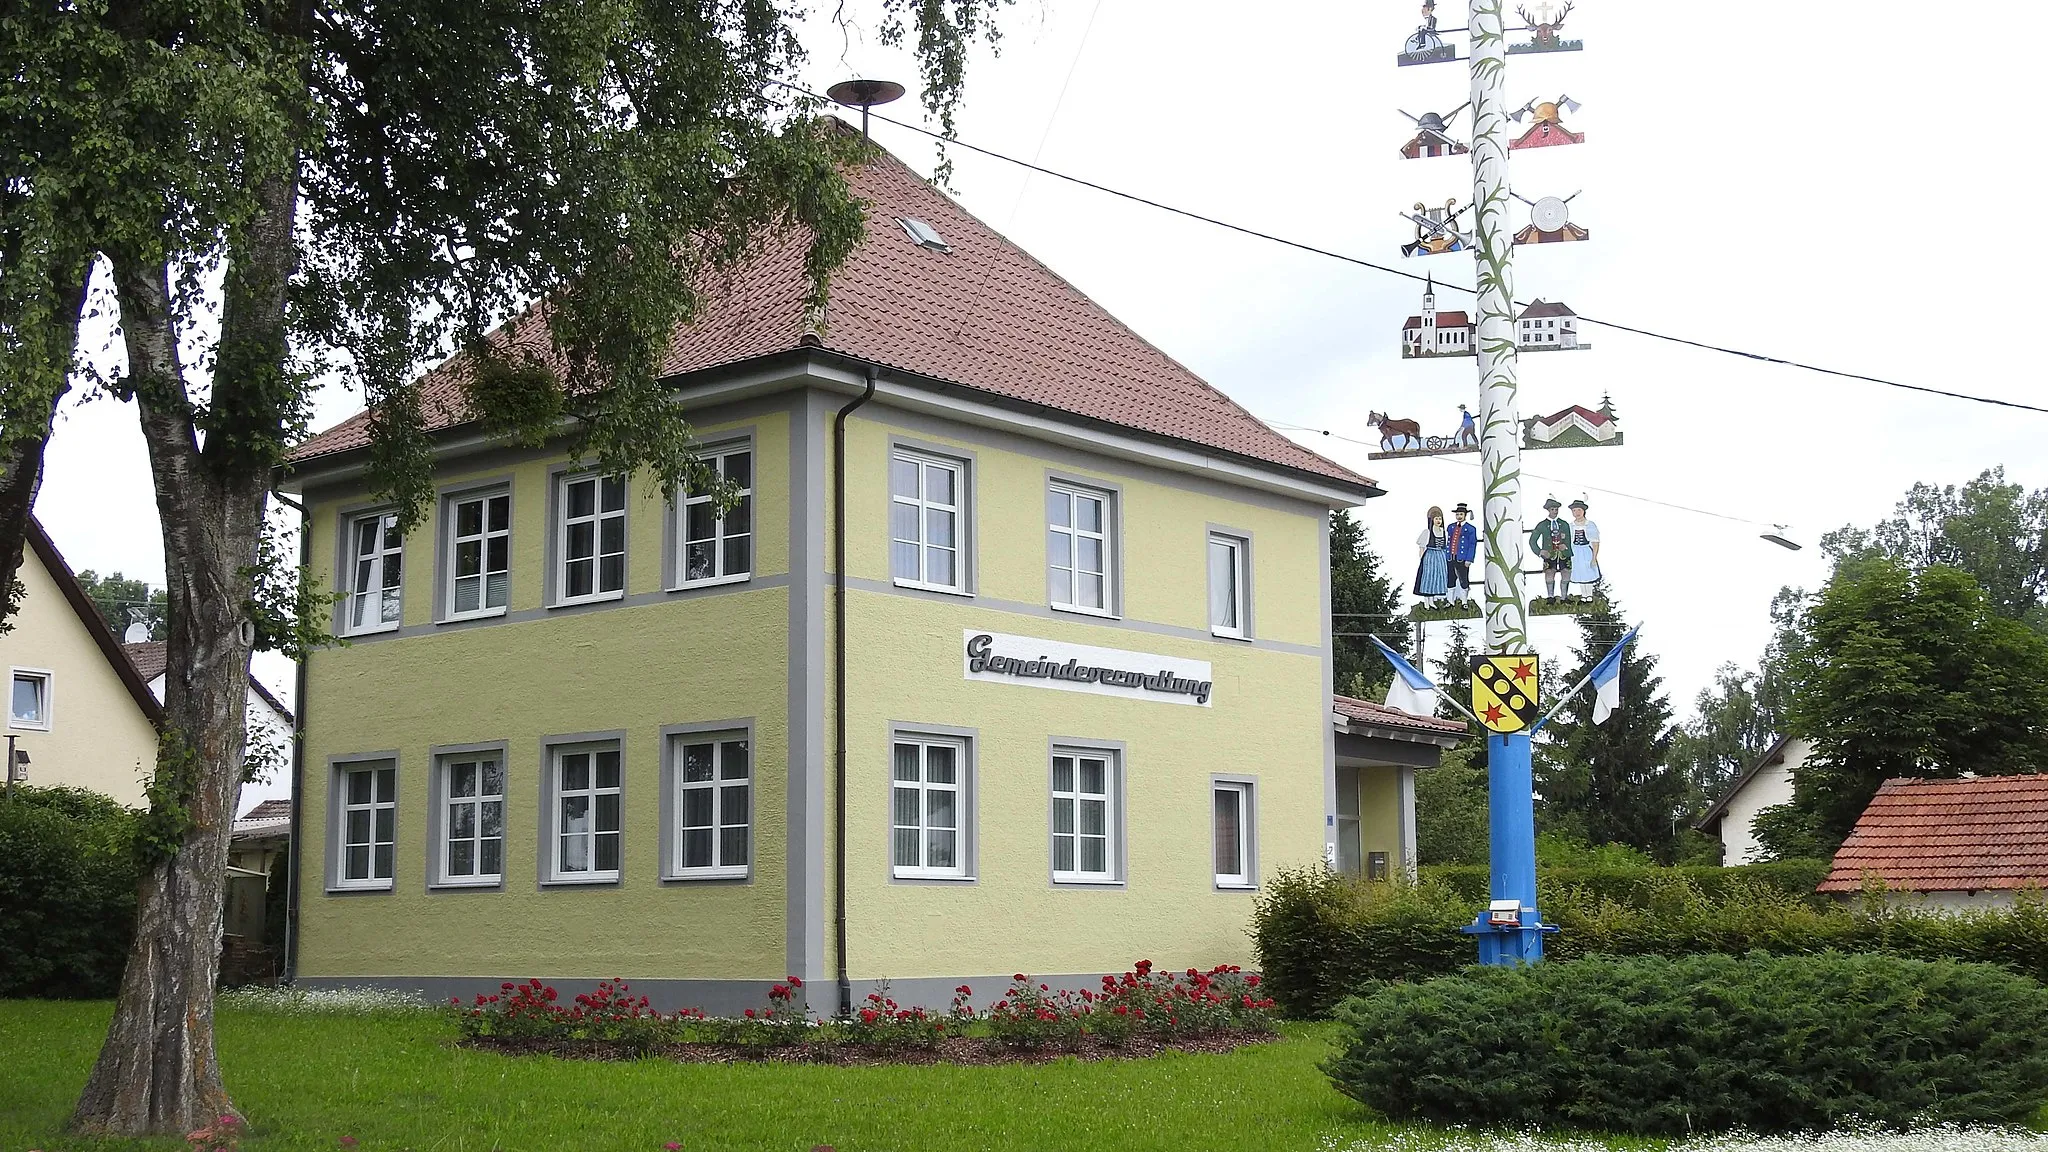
point(984, 314)
point(1989, 832)
point(1367, 712)
point(1443, 320)
point(1542, 308)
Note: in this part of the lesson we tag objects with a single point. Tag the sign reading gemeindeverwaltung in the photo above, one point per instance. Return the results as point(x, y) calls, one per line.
point(1081, 668)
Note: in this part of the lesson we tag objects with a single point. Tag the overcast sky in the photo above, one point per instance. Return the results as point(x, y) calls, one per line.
point(1763, 175)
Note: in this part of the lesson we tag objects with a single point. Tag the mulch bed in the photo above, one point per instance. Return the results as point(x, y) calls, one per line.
point(955, 1050)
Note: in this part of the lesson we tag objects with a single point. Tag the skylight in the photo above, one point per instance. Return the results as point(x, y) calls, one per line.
point(924, 234)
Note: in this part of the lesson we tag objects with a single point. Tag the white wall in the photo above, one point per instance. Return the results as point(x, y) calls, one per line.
point(1770, 787)
point(267, 729)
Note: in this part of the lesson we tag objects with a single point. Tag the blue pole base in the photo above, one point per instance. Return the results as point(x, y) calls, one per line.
point(1507, 946)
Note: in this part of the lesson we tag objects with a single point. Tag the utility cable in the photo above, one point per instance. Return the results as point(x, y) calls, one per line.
point(954, 142)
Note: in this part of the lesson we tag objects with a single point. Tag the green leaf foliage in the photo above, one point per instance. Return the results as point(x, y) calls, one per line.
point(1613, 783)
point(1362, 600)
point(1316, 933)
point(68, 871)
point(122, 601)
point(1673, 1046)
point(1450, 809)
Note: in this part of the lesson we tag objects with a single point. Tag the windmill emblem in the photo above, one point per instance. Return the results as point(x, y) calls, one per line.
point(1550, 221)
point(1436, 230)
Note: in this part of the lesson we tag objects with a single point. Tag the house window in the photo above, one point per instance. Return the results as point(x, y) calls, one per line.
point(925, 498)
point(29, 701)
point(480, 553)
point(593, 541)
point(376, 566)
point(585, 810)
point(1229, 588)
point(925, 820)
point(473, 819)
point(1083, 817)
point(1350, 826)
point(369, 813)
point(1077, 548)
point(719, 546)
point(712, 806)
point(1233, 833)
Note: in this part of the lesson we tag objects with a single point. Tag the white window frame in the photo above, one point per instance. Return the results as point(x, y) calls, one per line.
point(377, 560)
point(597, 518)
point(551, 865)
point(717, 459)
point(1240, 580)
point(720, 787)
point(46, 691)
point(454, 504)
point(343, 807)
point(1072, 530)
point(476, 801)
point(922, 502)
point(1072, 799)
point(924, 787)
point(1245, 794)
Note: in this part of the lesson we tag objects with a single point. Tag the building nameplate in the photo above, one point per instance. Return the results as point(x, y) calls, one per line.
point(1082, 668)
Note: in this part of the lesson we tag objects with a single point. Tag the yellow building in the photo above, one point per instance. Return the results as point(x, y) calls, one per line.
point(1013, 657)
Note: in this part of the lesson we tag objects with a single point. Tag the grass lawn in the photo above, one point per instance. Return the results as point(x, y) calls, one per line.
point(393, 1081)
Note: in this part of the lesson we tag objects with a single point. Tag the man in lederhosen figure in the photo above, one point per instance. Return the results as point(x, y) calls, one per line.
point(1550, 542)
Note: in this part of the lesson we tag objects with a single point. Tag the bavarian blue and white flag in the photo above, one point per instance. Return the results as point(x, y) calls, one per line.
point(1606, 680)
point(1411, 691)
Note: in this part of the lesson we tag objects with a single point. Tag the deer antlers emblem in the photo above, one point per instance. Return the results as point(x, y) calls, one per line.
point(1546, 25)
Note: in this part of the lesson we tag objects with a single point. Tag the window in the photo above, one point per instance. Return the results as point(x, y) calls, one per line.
point(584, 779)
point(925, 500)
point(1233, 834)
point(593, 541)
point(376, 568)
point(369, 812)
point(925, 235)
point(480, 553)
point(1350, 827)
point(1077, 548)
point(719, 546)
point(925, 816)
point(29, 705)
point(1083, 823)
point(1229, 599)
point(712, 811)
point(472, 818)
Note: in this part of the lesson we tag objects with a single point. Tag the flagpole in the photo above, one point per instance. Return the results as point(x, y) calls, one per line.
point(1565, 698)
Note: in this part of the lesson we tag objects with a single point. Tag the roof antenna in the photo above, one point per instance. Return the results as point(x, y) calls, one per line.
point(864, 94)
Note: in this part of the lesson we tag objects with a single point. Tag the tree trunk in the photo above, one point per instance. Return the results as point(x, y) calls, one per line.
point(28, 419)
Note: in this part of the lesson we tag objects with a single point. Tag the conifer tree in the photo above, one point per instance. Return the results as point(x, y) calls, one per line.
point(1612, 781)
point(1362, 600)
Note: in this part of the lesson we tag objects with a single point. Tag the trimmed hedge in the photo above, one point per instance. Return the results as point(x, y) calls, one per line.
point(1661, 1046)
point(1631, 885)
point(68, 873)
point(1321, 936)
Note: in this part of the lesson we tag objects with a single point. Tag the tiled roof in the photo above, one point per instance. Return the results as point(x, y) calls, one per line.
point(1587, 414)
point(1987, 832)
point(272, 818)
point(1367, 712)
point(150, 657)
point(1542, 308)
point(984, 314)
point(89, 616)
point(1443, 320)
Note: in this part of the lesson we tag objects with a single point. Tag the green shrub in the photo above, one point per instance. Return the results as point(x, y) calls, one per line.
point(1794, 877)
point(1319, 935)
point(1658, 1046)
point(67, 893)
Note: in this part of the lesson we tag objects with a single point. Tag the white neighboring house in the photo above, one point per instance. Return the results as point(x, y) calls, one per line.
point(1766, 784)
point(270, 722)
point(1546, 325)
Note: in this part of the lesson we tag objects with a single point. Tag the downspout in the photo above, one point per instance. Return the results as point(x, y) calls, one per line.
point(293, 849)
point(839, 686)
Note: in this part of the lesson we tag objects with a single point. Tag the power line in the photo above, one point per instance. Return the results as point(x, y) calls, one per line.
point(952, 142)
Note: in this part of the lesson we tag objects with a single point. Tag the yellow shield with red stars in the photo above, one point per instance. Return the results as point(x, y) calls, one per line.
point(1504, 691)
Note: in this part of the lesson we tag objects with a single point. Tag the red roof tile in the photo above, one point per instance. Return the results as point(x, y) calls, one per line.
point(1587, 414)
point(1542, 308)
point(1989, 832)
point(1443, 320)
point(1367, 712)
point(985, 315)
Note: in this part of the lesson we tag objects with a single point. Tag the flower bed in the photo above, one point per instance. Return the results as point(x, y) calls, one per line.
point(1138, 1013)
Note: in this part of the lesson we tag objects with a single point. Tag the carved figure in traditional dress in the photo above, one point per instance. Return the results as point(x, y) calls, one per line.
point(1468, 429)
point(1585, 549)
point(1433, 560)
point(1461, 538)
point(1550, 542)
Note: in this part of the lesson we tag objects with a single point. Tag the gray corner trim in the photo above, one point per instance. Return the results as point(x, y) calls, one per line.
point(1243, 539)
point(970, 801)
point(551, 578)
point(444, 541)
point(437, 818)
point(1113, 511)
point(345, 517)
point(804, 877)
point(1329, 656)
point(719, 442)
point(1407, 832)
point(666, 869)
point(1119, 805)
point(331, 879)
point(637, 600)
point(1120, 624)
point(544, 850)
point(1249, 830)
point(970, 504)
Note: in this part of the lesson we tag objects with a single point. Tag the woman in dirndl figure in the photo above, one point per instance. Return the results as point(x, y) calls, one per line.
point(1432, 568)
point(1585, 549)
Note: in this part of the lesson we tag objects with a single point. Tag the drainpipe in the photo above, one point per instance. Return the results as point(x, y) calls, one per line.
point(839, 685)
point(290, 969)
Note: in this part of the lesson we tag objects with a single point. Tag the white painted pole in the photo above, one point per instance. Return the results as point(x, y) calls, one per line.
point(1500, 421)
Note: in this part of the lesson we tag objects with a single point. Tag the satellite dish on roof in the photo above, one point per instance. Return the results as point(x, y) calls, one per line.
point(1549, 214)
